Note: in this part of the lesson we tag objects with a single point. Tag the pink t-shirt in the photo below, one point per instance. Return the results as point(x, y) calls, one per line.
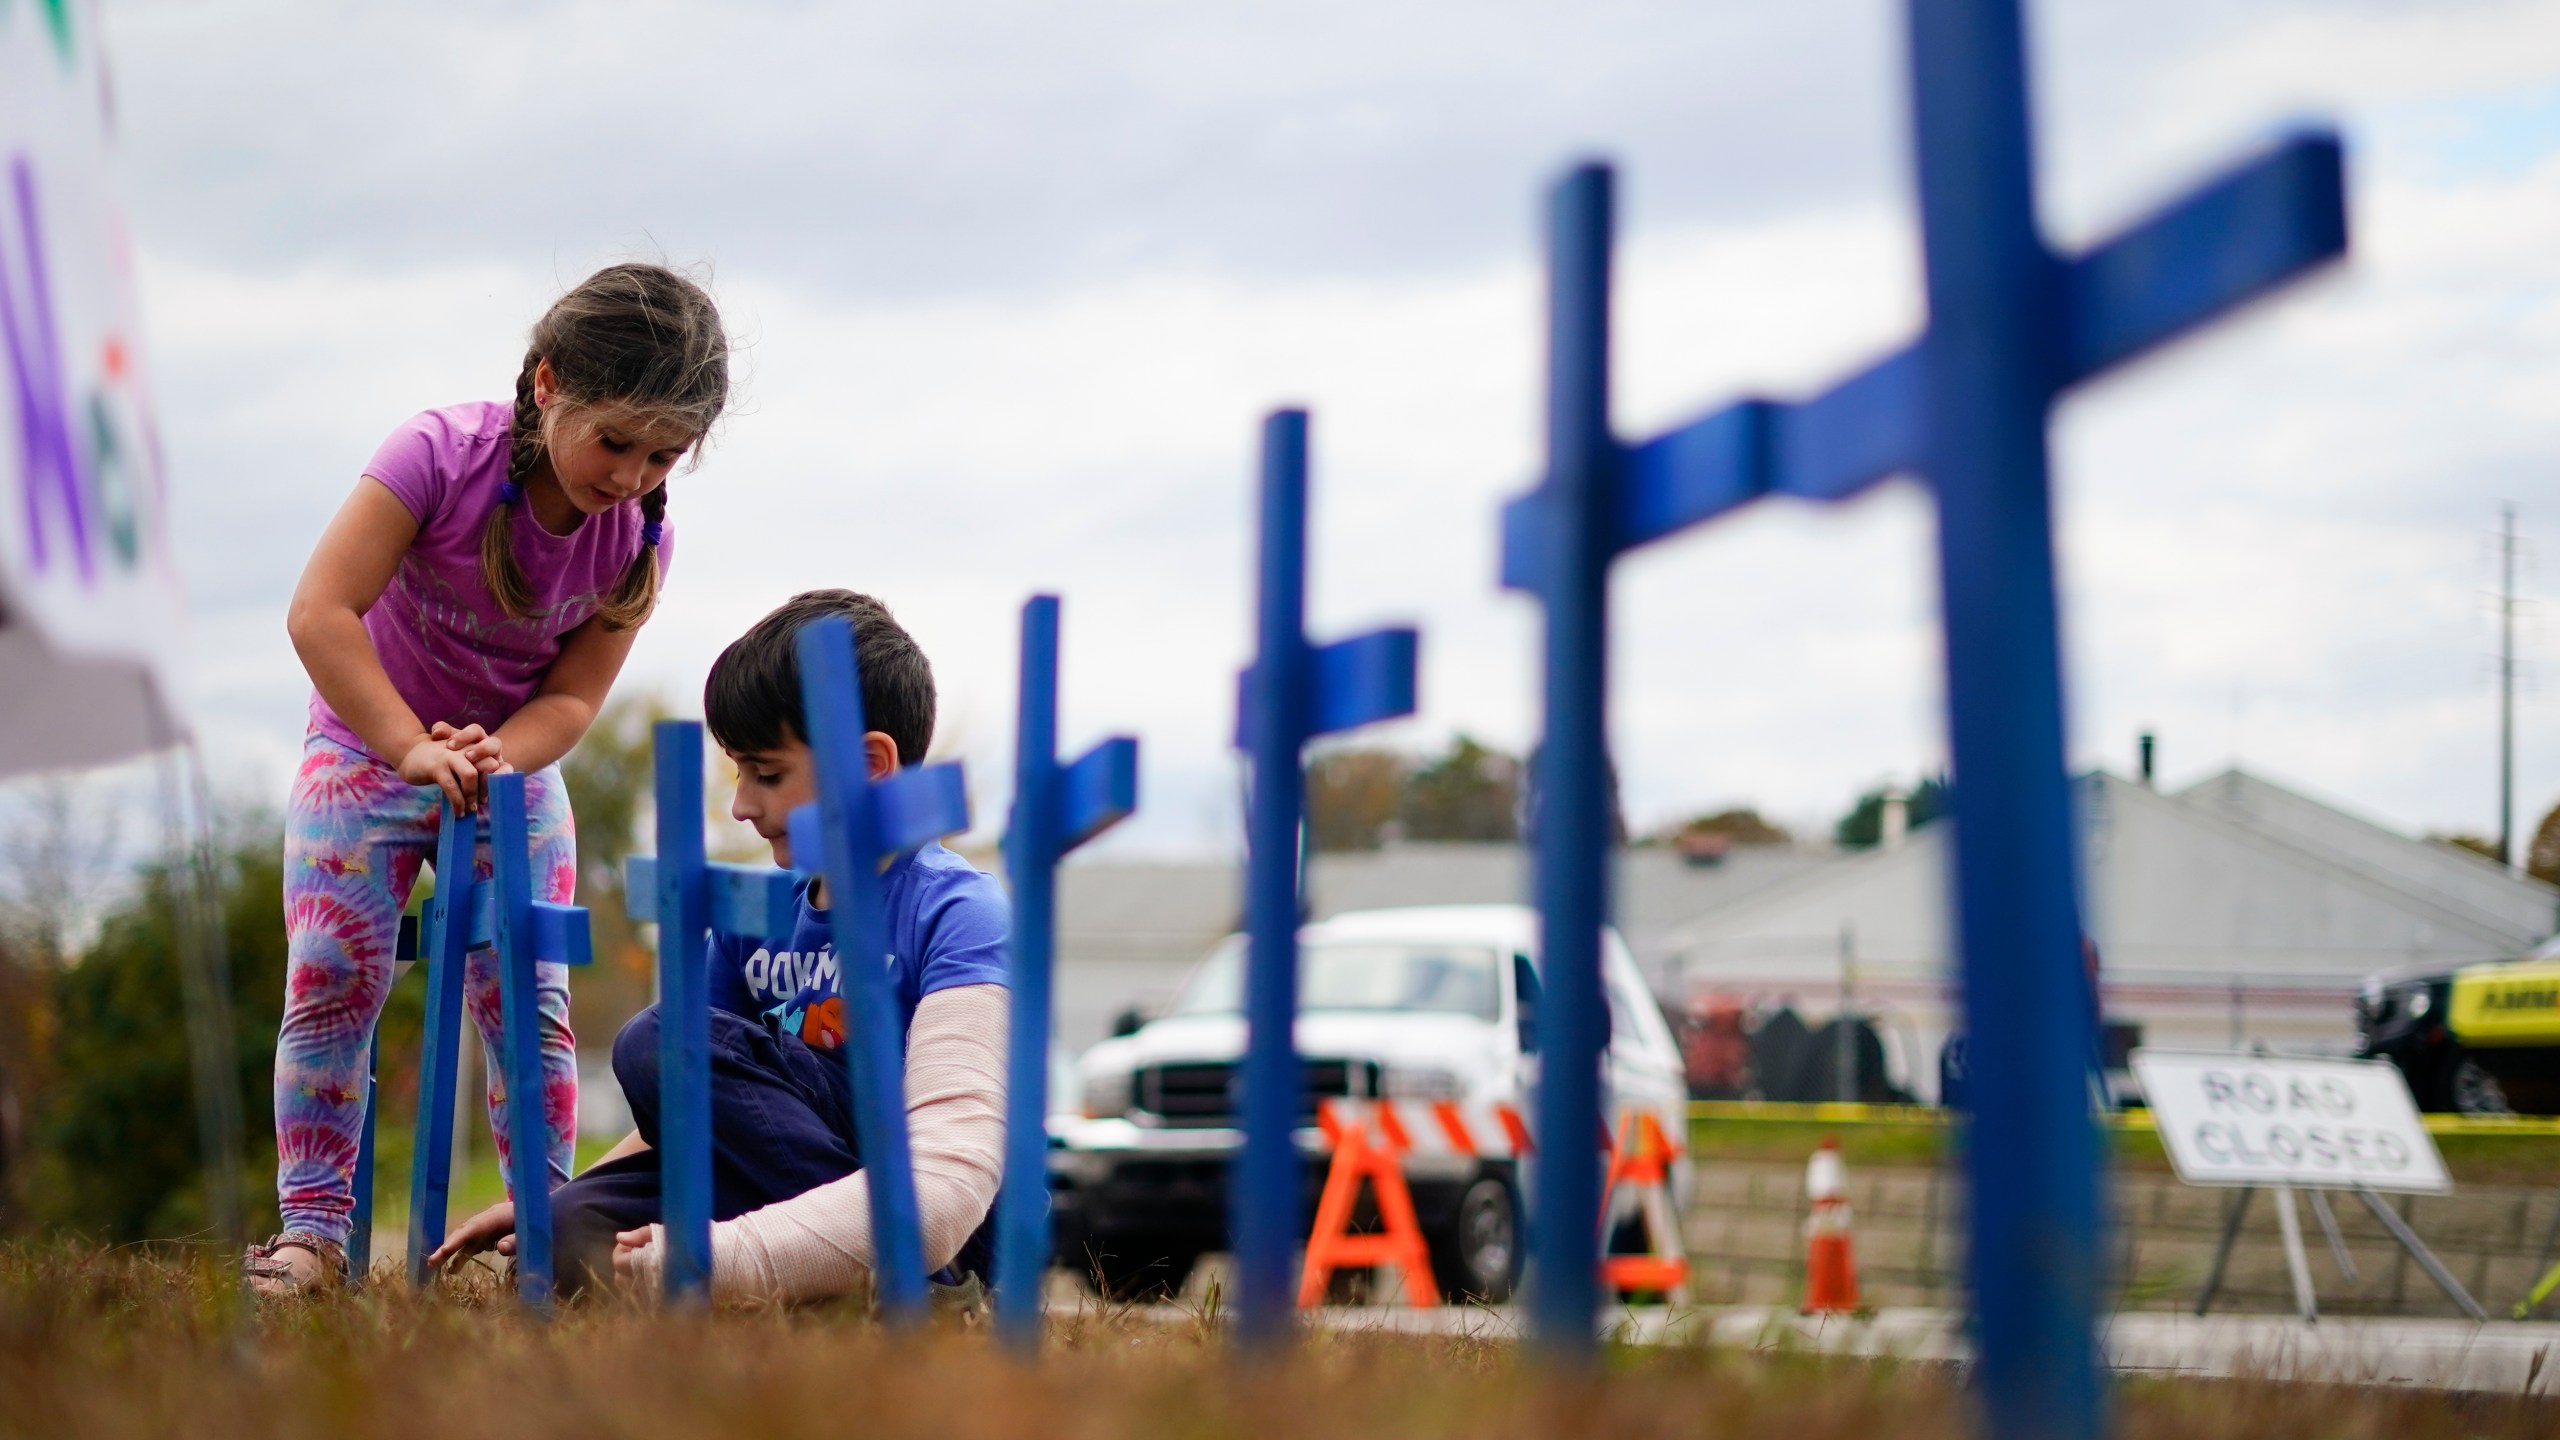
point(452, 653)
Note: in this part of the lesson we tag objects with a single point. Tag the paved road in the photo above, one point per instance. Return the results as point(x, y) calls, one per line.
point(2502, 1356)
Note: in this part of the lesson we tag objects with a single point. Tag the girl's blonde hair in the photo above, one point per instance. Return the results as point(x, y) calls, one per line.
point(648, 342)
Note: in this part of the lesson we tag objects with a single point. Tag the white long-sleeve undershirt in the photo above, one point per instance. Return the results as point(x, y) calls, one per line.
point(818, 1243)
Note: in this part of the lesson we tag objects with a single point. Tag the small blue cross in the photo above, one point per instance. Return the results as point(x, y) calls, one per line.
point(856, 824)
point(1055, 809)
point(1293, 693)
point(464, 915)
point(692, 898)
point(2013, 325)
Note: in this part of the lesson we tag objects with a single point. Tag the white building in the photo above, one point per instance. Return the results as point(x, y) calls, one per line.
point(1129, 932)
point(2235, 909)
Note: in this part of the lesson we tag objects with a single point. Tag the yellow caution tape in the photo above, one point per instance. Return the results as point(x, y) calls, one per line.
point(1772, 1112)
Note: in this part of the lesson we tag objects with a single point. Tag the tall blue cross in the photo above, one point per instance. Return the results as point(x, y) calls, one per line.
point(1055, 809)
point(1293, 692)
point(2013, 325)
point(856, 826)
point(465, 914)
point(691, 898)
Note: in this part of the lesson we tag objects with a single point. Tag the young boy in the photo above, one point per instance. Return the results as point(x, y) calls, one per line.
point(793, 1211)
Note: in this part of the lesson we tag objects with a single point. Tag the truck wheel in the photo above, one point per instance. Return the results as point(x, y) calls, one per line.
point(2472, 1090)
point(1476, 1256)
point(1137, 1271)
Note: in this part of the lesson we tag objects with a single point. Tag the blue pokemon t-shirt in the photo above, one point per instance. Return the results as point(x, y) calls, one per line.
point(947, 927)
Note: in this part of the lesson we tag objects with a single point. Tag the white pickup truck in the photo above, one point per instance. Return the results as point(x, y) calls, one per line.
point(1424, 1004)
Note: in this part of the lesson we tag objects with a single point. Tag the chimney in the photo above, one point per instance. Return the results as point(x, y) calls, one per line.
point(2143, 744)
point(1897, 818)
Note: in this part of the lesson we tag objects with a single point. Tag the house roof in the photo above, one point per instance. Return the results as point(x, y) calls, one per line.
point(2235, 876)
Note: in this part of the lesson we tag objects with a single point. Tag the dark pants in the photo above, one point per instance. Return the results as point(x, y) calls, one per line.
point(781, 1123)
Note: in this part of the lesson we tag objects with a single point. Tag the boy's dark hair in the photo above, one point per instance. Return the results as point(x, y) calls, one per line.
point(752, 699)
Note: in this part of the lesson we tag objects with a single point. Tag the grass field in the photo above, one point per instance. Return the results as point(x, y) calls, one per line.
point(477, 1184)
point(141, 1343)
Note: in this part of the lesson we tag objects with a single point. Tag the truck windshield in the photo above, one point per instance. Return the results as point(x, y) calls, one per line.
point(1438, 979)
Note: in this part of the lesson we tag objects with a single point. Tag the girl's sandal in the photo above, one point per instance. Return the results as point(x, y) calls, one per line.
point(271, 1273)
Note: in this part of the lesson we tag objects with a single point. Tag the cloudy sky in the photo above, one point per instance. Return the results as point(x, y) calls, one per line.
point(1013, 284)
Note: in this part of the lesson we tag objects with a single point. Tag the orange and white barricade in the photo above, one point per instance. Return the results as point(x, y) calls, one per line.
point(1370, 1140)
point(1642, 1157)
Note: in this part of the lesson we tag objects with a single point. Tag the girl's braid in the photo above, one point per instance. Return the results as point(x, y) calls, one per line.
point(640, 337)
point(499, 567)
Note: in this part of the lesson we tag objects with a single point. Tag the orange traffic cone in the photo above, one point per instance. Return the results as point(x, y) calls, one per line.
point(1830, 1270)
point(1330, 1245)
point(1642, 1158)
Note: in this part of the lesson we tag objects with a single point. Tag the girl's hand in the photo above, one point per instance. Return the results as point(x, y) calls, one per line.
point(483, 749)
point(433, 762)
point(491, 1229)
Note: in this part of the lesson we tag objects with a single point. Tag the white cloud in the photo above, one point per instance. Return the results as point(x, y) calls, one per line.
point(1016, 335)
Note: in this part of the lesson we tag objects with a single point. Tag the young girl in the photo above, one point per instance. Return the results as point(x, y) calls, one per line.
point(466, 613)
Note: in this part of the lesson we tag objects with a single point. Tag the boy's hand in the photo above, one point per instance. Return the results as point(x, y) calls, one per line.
point(482, 749)
point(491, 1229)
point(635, 1255)
point(433, 762)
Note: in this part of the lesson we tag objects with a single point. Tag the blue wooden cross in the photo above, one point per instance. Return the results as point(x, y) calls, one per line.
point(692, 897)
point(2012, 325)
point(856, 826)
point(1055, 809)
point(360, 1223)
point(1293, 692)
point(464, 915)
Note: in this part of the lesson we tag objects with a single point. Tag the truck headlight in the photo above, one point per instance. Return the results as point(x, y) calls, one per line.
point(1106, 1095)
point(1418, 1083)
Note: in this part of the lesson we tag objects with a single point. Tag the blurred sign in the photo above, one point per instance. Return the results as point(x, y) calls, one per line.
point(2270, 1120)
point(89, 600)
point(2508, 1004)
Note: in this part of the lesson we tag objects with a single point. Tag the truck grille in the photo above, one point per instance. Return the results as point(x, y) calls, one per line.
point(1201, 1095)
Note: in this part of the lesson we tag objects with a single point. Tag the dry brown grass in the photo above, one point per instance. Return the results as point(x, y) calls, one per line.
point(131, 1344)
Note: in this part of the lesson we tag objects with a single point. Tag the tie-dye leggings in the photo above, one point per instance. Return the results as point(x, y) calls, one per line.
point(356, 835)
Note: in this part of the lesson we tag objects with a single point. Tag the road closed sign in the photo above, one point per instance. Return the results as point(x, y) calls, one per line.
point(2269, 1120)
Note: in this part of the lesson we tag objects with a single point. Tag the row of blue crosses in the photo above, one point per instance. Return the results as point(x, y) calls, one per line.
point(855, 824)
point(2013, 325)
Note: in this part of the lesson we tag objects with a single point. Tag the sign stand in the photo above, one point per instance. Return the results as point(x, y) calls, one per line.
point(2419, 1252)
point(2550, 1280)
point(2329, 1227)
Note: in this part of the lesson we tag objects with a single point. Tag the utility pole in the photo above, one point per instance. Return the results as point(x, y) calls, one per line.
point(1844, 1050)
point(2507, 685)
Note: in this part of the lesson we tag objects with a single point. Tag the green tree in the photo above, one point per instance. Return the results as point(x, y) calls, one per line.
point(1470, 793)
point(2480, 845)
point(25, 1029)
point(1739, 826)
point(119, 1159)
point(1863, 826)
point(1351, 796)
point(2542, 857)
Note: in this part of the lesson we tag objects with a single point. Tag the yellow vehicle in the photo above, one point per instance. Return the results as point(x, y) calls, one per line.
point(2483, 1040)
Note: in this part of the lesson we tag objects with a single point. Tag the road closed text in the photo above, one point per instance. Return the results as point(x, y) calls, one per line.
point(2274, 1120)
